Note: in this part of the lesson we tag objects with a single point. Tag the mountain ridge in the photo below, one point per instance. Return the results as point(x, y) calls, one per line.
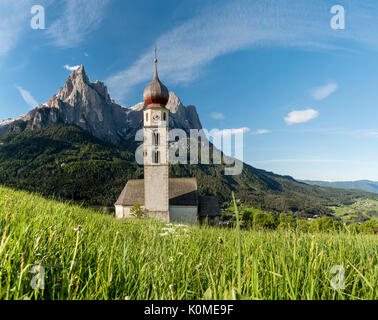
point(80, 145)
point(88, 105)
point(364, 185)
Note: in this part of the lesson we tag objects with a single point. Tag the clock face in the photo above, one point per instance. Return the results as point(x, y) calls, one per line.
point(156, 117)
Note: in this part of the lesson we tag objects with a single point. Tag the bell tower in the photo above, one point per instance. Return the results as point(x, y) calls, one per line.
point(156, 166)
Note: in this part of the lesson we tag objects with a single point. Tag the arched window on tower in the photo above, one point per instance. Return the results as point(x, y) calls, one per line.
point(165, 116)
point(156, 157)
point(146, 117)
point(156, 138)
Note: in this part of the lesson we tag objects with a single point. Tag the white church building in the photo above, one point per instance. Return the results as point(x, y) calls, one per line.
point(158, 195)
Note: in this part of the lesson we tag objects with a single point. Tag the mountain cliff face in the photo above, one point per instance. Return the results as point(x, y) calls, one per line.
point(88, 105)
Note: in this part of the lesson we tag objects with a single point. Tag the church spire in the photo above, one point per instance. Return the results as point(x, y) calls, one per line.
point(156, 94)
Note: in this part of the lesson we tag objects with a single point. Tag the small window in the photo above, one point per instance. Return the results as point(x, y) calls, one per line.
point(165, 116)
point(146, 117)
point(156, 138)
point(156, 157)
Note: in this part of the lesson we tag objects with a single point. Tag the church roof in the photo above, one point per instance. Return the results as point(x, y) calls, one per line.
point(208, 206)
point(182, 192)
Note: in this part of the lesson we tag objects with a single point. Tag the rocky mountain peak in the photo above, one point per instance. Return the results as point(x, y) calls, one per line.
point(78, 86)
point(88, 105)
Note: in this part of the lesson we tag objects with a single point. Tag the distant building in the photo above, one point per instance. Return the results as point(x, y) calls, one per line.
point(158, 195)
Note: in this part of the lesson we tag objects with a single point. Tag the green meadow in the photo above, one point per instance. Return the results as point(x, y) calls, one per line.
point(56, 250)
point(359, 210)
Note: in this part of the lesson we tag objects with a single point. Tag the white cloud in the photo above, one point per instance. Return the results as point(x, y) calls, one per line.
point(217, 115)
point(301, 116)
point(26, 95)
point(261, 131)
point(71, 68)
point(223, 29)
point(321, 93)
point(79, 18)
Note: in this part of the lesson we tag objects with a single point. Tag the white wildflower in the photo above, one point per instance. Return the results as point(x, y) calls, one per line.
point(164, 234)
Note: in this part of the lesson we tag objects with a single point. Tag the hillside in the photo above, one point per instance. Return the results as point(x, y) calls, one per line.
point(68, 162)
point(361, 210)
point(89, 256)
point(80, 145)
point(365, 185)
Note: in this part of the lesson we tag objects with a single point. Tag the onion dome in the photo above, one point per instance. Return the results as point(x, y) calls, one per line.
point(156, 94)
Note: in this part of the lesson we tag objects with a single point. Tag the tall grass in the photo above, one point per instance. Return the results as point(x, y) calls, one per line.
point(144, 259)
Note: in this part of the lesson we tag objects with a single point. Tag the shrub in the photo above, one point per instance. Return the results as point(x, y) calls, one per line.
point(264, 220)
point(370, 226)
point(286, 222)
point(137, 211)
point(325, 224)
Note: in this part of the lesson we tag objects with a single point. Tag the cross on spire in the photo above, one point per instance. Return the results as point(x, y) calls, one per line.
point(156, 49)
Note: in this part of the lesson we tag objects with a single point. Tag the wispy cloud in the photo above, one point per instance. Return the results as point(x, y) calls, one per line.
point(359, 133)
point(229, 132)
point(71, 68)
point(323, 92)
point(261, 131)
point(26, 95)
point(79, 18)
point(314, 160)
point(301, 116)
point(13, 21)
point(222, 29)
point(370, 133)
point(217, 115)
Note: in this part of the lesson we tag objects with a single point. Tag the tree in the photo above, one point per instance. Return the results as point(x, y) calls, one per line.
point(286, 222)
point(370, 226)
point(137, 211)
point(325, 224)
point(264, 220)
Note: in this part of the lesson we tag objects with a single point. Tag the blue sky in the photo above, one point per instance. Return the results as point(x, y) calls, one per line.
point(305, 94)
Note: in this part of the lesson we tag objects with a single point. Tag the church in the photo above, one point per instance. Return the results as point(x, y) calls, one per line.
point(161, 197)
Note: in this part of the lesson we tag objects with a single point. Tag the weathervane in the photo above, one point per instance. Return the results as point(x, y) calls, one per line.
point(156, 49)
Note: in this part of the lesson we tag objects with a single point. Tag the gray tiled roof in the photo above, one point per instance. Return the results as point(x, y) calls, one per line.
point(182, 191)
